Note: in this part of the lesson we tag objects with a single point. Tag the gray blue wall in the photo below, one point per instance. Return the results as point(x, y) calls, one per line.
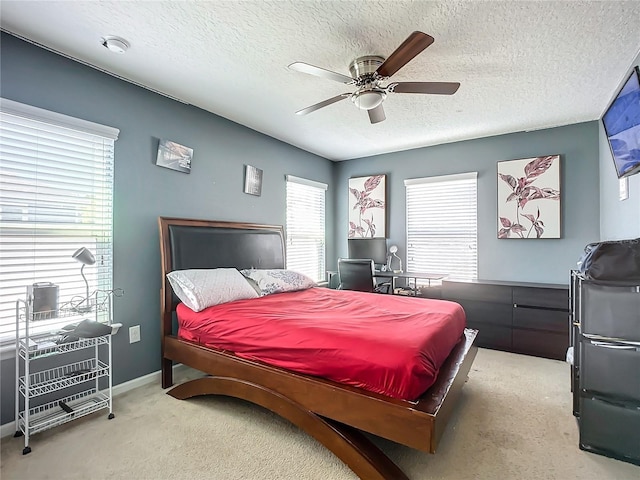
point(618, 219)
point(144, 191)
point(213, 190)
point(510, 259)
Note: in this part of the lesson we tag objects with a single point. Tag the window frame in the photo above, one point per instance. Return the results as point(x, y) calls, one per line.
point(443, 181)
point(27, 120)
point(292, 181)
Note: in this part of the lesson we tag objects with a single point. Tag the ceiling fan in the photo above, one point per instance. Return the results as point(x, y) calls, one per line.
point(369, 72)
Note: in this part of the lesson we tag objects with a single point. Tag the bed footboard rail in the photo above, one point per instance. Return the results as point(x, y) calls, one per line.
point(414, 424)
point(348, 444)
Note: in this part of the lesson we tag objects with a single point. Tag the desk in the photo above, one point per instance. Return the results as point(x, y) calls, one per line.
point(395, 275)
point(408, 276)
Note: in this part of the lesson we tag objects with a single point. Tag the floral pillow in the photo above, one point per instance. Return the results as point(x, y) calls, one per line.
point(277, 280)
point(202, 288)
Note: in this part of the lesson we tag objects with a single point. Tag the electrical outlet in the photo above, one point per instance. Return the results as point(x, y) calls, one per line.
point(134, 334)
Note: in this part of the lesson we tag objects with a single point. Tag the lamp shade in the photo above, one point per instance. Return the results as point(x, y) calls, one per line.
point(84, 256)
point(368, 99)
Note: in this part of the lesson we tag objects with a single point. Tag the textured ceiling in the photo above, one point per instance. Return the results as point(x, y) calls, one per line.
point(521, 65)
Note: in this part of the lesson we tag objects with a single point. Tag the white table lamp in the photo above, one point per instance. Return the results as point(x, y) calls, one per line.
point(393, 250)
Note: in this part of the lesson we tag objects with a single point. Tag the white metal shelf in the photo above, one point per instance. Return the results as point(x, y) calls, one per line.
point(33, 379)
point(54, 379)
point(51, 414)
point(67, 310)
point(38, 346)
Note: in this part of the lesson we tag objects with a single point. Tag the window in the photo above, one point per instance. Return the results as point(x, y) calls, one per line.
point(442, 225)
point(56, 188)
point(305, 227)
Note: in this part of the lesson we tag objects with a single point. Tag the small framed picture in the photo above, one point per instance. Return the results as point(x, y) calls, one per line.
point(174, 156)
point(252, 180)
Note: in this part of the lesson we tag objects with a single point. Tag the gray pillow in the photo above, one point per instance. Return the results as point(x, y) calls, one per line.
point(271, 281)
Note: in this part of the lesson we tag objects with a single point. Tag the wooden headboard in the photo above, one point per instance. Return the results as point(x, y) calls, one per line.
point(187, 243)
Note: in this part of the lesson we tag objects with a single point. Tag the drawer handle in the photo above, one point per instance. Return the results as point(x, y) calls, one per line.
point(613, 346)
point(600, 338)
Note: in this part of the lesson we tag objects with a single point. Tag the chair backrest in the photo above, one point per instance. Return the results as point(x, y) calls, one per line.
point(356, 274)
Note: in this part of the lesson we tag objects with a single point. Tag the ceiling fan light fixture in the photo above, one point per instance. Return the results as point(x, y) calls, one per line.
point(368, 100)
point(115, 44)
point(369, 72)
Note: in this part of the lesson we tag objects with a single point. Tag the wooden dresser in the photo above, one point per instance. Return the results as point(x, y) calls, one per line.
point(528, 318)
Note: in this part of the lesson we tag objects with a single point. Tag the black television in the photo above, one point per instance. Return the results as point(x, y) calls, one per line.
point(621, 123)
point(373, 248)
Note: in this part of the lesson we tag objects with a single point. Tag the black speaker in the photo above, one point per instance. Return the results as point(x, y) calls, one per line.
point(45, 300)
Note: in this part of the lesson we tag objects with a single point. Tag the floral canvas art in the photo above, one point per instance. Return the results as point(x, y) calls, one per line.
point(529, 198)
point(367, 207)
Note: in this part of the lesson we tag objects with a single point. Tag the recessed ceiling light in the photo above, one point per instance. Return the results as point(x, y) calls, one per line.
point(115, 44)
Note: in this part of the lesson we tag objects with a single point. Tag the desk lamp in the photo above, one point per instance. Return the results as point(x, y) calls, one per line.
point(85, 257)
point(393, 250)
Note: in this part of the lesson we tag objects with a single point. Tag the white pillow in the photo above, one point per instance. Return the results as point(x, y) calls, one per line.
point(202, 288)
point(278, 280)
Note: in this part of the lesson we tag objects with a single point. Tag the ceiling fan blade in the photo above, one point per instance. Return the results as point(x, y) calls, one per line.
point(434, 88)
point(318, 106)
point(412, 46)
point(376, 115)
point(320, 72)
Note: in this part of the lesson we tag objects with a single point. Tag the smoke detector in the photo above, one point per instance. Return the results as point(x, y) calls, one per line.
point(115, 44)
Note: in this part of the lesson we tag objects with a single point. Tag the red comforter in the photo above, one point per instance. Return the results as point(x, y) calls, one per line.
point(387, 344)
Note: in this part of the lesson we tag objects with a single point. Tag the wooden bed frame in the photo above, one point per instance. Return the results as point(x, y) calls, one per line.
point(334, 414)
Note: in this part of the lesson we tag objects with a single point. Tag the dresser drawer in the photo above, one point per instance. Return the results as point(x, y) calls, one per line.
point(539, 319)
point(611, 311)
point(542, 297)
point(486, 313)
point(540, 344)
point(492, 336)
point(476, 291)
point(610, 369)
point(610, 429)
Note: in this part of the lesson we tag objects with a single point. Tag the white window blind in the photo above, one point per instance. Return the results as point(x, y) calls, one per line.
point(56, 190)
point(306, 227)
point(442, 225)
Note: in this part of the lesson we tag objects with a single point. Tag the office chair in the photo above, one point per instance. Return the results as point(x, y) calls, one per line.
point(356, 274)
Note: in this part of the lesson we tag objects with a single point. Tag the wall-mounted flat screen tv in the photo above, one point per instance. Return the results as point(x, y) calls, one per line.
point(622, 126)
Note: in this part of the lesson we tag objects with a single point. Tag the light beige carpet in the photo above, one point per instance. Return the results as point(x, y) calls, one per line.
point(513, 422)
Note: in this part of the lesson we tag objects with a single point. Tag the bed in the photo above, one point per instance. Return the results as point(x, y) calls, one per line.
point(334, 413)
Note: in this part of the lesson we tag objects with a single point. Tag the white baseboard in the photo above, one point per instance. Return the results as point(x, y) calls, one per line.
point(155, 377)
